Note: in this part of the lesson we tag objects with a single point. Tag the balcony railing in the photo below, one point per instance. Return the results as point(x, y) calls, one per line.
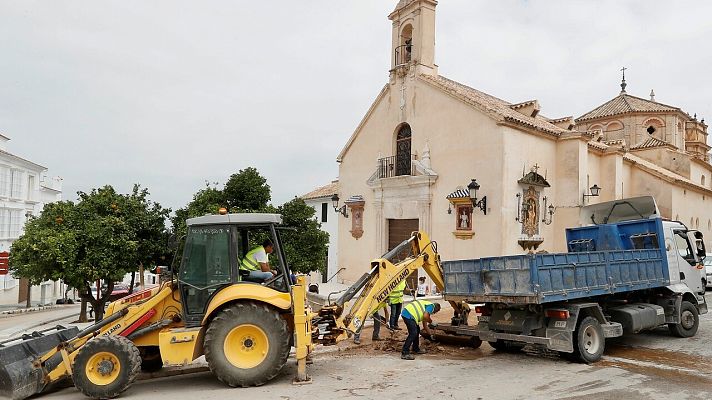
point(402, 54)
point(389, 167)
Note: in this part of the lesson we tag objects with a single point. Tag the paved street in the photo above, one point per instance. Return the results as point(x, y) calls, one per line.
point(11, 325)
point(652, 365)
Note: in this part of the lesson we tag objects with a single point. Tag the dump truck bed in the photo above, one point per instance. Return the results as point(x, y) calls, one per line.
point(545, 278)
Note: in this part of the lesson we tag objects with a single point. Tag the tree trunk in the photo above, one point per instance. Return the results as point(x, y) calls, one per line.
point(83, 310)
point(103, 296)
point(133, 281)
point(29, 295)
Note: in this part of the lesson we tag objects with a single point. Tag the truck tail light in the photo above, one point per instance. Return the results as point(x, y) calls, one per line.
point(557, 314)
point(483, 310)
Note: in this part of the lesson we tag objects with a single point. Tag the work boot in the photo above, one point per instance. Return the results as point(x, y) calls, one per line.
point(421, 351)
point(357, 340)
point(407, 357)
point(376, 339)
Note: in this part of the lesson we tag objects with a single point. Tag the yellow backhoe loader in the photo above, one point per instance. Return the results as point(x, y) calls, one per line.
point(245, 329)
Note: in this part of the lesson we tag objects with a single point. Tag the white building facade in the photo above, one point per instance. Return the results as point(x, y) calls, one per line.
point(320, 200)
point(25, 188)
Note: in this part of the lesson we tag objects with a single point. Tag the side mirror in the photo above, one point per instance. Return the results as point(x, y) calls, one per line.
point(700, 245)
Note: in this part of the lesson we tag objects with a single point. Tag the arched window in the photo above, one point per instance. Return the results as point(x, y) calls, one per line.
point(697, 223)
point(405, 48)
point(403, 166)
point(702, 180)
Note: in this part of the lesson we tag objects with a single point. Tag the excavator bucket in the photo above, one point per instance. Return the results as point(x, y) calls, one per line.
point(20, 376)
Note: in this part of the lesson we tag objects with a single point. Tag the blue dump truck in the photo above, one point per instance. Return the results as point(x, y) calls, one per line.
point(629, 270)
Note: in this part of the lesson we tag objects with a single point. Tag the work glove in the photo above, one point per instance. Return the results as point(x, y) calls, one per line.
point(433, 325)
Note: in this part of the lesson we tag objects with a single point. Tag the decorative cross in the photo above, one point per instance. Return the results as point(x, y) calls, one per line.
point(402, 100)
point(623, 69)
point(623, 84)
point(535, 168)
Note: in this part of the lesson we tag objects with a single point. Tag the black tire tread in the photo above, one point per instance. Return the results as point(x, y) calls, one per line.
point(228, 316)
point(678, 330)
point(577, 354)
point(122, 345)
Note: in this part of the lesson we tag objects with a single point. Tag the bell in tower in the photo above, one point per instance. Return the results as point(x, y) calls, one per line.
point(413, 38)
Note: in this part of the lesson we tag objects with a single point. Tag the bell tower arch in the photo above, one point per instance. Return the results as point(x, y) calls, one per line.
point(413, 37)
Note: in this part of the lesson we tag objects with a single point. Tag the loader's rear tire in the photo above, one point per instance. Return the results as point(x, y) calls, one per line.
point(689, 321)
point(106, 366)
point(247, 344)
point(151, 360)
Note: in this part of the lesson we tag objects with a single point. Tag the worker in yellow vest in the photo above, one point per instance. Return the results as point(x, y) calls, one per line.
point(376, 323)
point(395, 299)
point(256, 262)
point(414, 313)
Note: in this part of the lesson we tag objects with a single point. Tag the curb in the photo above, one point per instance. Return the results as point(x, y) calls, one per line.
point(26, 310)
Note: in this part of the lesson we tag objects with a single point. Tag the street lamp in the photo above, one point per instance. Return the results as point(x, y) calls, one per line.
point(550, 211)
point(339, 210)
point(473, 187)
point(595, 191)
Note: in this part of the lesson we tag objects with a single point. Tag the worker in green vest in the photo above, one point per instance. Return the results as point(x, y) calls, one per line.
point(414, 313)
point(376, 323)
point(395, 299)
point(256, 262)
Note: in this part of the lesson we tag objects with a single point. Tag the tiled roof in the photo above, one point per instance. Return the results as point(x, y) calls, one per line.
point(324, 191)
point(650, 143)
point(491, 105)
point(666, 174)
point(625, 103)
point(597, 145)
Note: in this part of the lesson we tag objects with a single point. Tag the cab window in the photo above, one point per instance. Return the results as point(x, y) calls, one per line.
point(683, 247)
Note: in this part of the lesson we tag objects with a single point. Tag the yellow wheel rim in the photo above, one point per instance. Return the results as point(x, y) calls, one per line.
point(103, 368)
point(246, 346)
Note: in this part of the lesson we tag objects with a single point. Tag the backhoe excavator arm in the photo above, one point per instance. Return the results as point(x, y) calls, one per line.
point(377, 284)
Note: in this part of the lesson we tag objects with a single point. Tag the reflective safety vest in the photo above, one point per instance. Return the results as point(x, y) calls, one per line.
point(249, 263)
point(396, 295)
point(416, 309)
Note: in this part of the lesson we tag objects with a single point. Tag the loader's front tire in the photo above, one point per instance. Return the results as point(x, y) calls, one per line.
point(106, 366)
point(247, 344)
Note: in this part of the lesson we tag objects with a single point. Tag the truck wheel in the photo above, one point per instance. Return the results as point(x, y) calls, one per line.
point(106, 366)
point(689, 321)
point(150, 358)
point(589, 341)
point(475, 342)
point(247, 344)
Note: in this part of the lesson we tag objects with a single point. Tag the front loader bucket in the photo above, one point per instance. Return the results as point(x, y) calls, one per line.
point(19, 378)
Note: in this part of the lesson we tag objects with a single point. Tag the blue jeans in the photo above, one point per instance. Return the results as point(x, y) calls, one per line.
point(376, 327)
point(260, 275)
point(413, 339)
point(395, 313)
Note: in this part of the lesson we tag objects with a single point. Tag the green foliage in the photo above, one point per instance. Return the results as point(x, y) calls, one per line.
point(103, 236)
point(247, 190)
point(306, 248)
point(207, 201)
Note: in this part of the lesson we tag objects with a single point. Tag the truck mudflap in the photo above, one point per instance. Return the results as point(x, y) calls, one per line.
point(20, 375)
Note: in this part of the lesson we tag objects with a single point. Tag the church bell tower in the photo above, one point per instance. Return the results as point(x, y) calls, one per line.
point(413, 40)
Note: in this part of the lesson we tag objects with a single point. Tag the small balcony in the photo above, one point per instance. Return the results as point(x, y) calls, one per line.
point(389, 167)
point(402, 55)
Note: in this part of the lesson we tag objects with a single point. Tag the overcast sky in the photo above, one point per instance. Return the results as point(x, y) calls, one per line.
point(172, 93)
